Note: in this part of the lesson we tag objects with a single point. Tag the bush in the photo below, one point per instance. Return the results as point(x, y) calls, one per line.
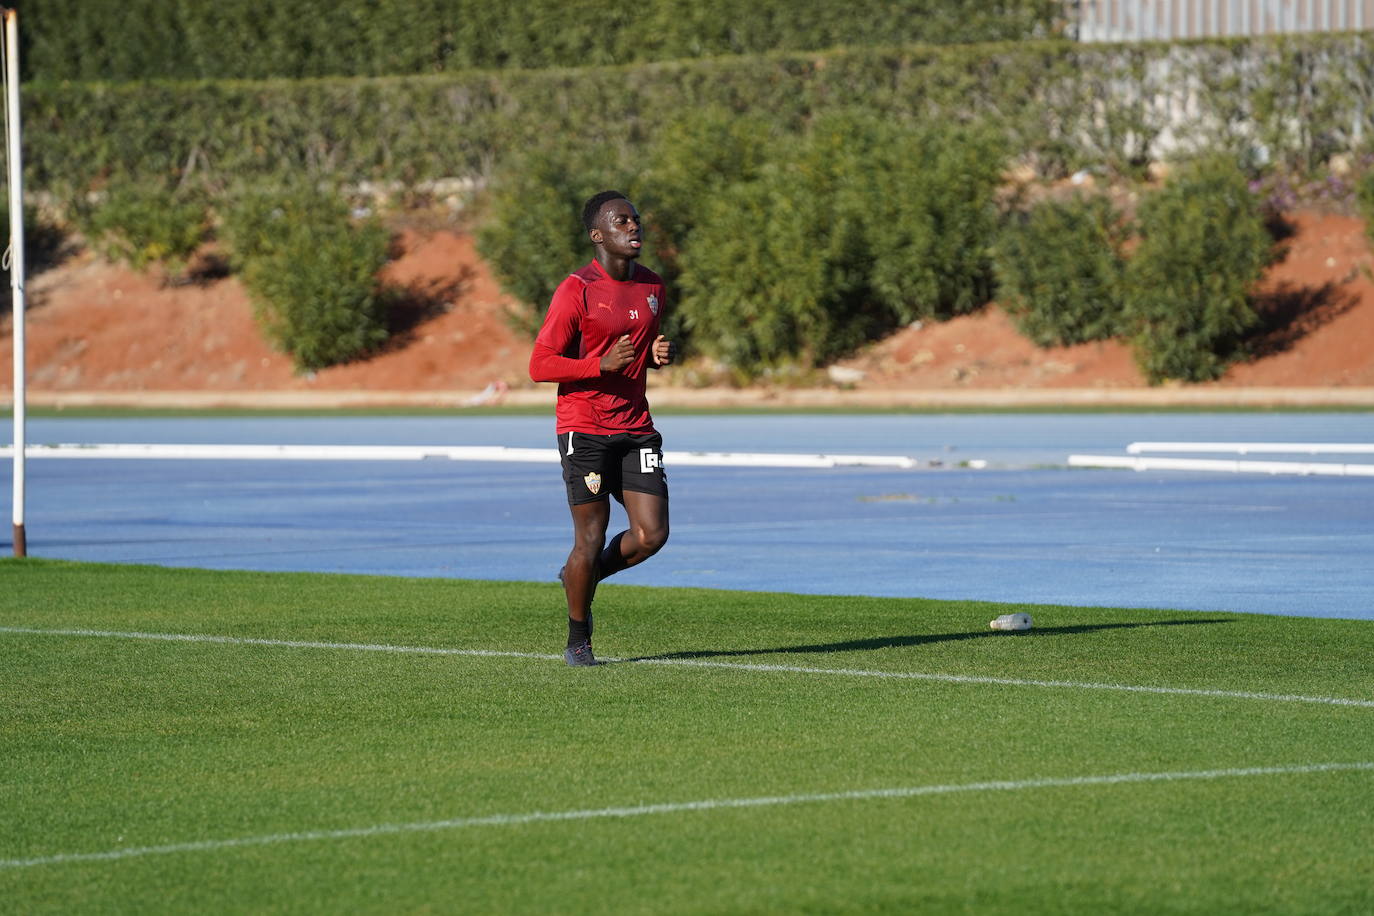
point(1203, 246)
point(849, 230)
point(777, 274)
point(1060, 270)
point(312, 273)
point(778, 279)
point(143, 225)
point(933, 220)
point(690, 161)
point(532, 234)
point(780, 249)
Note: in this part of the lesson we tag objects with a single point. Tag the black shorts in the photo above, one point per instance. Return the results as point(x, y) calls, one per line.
point(595, 467)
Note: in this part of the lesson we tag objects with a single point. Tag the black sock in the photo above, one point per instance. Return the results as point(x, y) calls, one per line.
point(610, 561)
point(578, 633)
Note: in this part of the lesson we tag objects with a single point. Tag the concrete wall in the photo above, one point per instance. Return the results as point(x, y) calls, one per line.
point(1165, 20)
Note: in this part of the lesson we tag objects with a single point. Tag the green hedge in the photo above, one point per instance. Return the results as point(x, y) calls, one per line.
point(86, 40)
point(1057, 106)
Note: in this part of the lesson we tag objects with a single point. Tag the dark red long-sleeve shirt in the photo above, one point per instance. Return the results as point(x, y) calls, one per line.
point(590, 312)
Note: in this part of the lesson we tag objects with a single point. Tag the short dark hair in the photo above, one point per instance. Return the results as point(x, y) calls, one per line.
point(594, 204)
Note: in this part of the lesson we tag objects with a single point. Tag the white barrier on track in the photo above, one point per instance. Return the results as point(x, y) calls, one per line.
point(1233, 466)
point(1256, 448)
point(497, 453)
point(290, 452)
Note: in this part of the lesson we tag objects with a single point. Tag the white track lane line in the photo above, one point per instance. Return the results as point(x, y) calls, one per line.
point(701, 663)
point(711, 804)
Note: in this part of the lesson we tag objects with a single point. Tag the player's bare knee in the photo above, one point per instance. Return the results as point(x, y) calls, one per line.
point(651, 540)
point(586, 550)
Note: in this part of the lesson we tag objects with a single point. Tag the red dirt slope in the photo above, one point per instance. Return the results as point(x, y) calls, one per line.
point(97, 331)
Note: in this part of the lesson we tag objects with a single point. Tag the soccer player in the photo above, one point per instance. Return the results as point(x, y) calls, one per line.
point(599, 339)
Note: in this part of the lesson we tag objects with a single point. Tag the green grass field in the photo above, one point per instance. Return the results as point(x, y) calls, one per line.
point(756, 753)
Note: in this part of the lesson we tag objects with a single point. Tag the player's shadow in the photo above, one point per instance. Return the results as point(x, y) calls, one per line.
point(925, 639)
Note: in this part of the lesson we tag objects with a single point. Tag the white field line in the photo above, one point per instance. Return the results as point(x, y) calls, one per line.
point(499, 453)
point(1256, 448)
point(1228, 465)
point(703, 663)
point(710, 804)
point(277, 643)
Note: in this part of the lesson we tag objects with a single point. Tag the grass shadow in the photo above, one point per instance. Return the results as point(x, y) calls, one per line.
point(1281, 230)
point(896, 642)
point(46, 247)
point(415, 303)
point(204, 269)
point(1289, 313)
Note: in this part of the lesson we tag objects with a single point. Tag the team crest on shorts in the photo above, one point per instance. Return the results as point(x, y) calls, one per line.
point(593, 482)
point(653, 304)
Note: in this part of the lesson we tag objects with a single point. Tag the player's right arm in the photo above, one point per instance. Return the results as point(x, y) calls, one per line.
point(561, 335)
point(550, 360)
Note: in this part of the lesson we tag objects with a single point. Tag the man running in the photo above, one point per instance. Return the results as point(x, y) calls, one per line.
point(598, 341)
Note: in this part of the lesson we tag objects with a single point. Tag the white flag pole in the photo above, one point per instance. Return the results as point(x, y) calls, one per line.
point(16, 265)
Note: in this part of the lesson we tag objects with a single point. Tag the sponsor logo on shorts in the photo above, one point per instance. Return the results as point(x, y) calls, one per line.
point(649, 460)
point(593, 482)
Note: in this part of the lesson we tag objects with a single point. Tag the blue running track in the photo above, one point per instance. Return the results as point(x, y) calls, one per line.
point(1025, 528)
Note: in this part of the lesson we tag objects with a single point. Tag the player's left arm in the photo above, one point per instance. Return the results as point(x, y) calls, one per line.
point(663, 350)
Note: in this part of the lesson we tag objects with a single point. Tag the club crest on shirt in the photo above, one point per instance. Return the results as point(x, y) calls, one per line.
point(653, 304)
point(593, 482)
